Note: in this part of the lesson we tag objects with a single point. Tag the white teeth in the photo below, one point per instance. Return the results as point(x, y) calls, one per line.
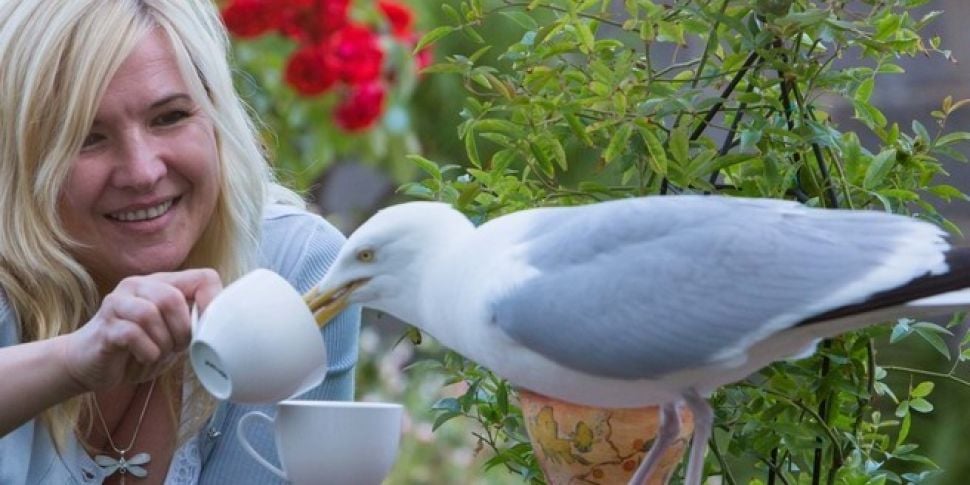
point(142, 214)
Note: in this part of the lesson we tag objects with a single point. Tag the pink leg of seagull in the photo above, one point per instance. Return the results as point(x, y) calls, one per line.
point(666, 436)
point(703, 421)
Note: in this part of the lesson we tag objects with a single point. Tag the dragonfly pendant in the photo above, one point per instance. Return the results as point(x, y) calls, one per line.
point(124, 466)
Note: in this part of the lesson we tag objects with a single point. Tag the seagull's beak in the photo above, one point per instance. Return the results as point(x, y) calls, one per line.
point(327, 303)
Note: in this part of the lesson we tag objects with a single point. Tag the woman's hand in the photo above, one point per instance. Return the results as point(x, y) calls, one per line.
point(139, 330)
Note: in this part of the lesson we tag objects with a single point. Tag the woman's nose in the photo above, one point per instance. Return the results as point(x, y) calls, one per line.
point(140, 165)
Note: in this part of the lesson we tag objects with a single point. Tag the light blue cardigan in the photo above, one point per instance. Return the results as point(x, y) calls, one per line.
point(297, 245)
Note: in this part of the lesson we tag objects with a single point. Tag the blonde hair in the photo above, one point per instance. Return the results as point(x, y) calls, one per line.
point(58, 56)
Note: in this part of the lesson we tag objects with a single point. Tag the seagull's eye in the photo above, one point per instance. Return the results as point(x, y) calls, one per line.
point(365, 255)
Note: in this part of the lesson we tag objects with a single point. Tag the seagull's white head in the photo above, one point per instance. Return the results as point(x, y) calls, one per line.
point(381, 264)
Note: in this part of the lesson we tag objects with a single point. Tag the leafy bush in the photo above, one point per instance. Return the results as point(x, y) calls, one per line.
point(596, 101)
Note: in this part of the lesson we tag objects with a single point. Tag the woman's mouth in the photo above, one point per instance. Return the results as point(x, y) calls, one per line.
point(146, 214)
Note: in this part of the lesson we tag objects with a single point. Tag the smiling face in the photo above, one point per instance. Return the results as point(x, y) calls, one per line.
point(143, 188)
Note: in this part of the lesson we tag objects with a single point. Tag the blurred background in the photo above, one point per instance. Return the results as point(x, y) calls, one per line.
point(343, 142)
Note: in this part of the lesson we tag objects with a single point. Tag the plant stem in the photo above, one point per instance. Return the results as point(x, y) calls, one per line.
point(817, 151)
point(800, 405)
point(823, 416)
point(732, 132)
point(750, 61)
point(724, 95)
point(771, 466)
point(774, 470)
point(725, 470)
point(921, 372)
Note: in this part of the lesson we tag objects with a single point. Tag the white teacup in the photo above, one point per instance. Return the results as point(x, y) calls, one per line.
point(331, 442)
point(257, 342)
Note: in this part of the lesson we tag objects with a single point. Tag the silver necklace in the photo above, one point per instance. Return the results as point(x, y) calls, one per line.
point(124, 465)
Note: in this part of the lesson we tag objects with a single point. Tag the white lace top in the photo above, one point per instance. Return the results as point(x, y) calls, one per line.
point(186, 464)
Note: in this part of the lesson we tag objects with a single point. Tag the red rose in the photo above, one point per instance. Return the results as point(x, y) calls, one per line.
point(362, 107)
point(399, 16)
point(332, 15)
point(313, 20)
point(250, 18)
point(356, 51)
point(309, 70)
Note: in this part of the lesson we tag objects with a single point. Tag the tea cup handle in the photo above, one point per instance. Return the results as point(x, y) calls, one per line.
point(249, 448)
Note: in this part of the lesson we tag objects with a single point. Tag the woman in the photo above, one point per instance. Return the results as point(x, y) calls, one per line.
point(133, 185)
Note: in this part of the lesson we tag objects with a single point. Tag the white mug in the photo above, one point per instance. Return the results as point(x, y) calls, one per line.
point(257, 342)
point(331, 442)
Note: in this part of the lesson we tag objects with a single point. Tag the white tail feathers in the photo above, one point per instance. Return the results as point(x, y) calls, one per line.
point(952, 301)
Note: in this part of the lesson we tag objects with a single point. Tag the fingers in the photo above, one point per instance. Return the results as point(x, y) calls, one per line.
point(200, 285)
point(126, 336)
point(149, 316)
point(140, 329)
point(163, 308)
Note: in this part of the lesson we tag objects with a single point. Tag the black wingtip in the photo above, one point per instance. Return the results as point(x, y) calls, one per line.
point(957, 277)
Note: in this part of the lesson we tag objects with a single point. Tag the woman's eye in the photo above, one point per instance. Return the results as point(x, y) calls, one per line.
point(91, 140)
point(172, 117)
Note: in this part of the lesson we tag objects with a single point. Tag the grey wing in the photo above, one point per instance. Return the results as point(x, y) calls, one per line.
point(643, 287)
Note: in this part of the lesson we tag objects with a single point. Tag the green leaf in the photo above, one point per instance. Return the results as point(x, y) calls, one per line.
point(578, 128)
point(933, 327)
point(901, 194)
point(417, 191)
point(468, 194)
point(442, 419)
point(901, 330)
point(444, 68)
point(888, 26)
point(864, 92)
point(948, 192)
point(680, 145)
point(523, 19)
point(803, 19)
point(906, 423)
point(586, 38)
point(883, 390)
point(432, 36)
point(472, 34)
point(558, 153)
point(657, 156)
point(495, 125)
point(889, 68)
point(869, 114)
point(451, 13)
point(542, 157)
point(671, 32)
point(618, 143)
point(447, 404)
point(923, 389)
point(921, 405)
point(426, 165)
point(935, 341)
point(951, 138)
point(921, 132)
point(879, 168)
point(471, 148)
point(502, 398)
point(749, 140)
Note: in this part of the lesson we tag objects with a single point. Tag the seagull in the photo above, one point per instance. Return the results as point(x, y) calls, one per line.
point(650, 301)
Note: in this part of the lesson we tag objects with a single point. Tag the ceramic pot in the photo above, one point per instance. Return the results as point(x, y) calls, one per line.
point(584, 445)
